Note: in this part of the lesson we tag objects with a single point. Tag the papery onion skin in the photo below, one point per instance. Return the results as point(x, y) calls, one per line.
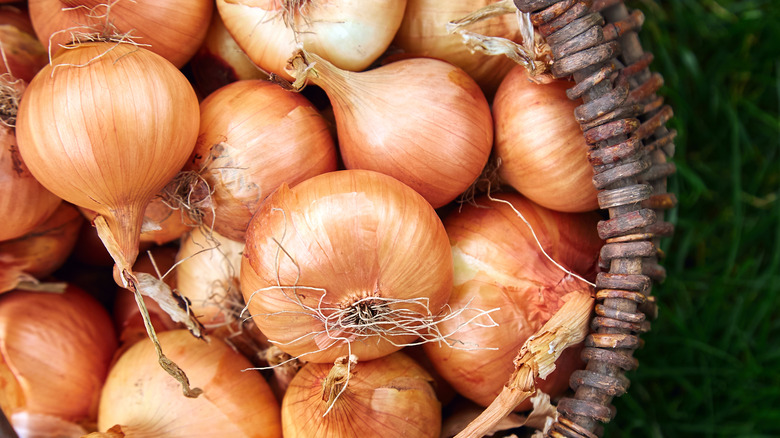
point(142, 398)
point(116, 131)
point(387, 397)
point(423, 32)
point(174, 29)
point(423, 121)
point(58, 348)
point(543, 153)
point(23, 55)
point(499, 265)
point(254, 135)
point(42, 251)
point(350, 33)
point(353, 234)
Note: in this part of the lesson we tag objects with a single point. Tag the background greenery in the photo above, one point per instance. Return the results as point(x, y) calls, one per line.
point(710, 364)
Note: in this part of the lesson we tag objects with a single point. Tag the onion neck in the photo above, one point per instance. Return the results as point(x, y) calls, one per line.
point(120, 232)
point(309, 67)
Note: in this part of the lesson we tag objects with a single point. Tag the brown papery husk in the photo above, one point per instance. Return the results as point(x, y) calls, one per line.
point(348, 243)
point(499, 264)
point(254, 136)
point(422, 121)
point(26, 260)
point(174, 29)
point(143, 400)
point(387, 397)
point(54, 359)
point(349, 33)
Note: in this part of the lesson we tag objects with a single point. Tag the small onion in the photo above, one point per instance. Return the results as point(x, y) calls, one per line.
point(542, 150)
point(22, 54)
point(499, 265)
point(56, 350)
point(173, 29)
point(30, 258)
point(423, 121)
point(254, 135)
point(349, 33)
point(387, 397)
point(345, 262)
point(142, 400)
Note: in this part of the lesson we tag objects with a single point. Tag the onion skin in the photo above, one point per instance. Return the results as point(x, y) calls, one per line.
point(498, 265)
point(146, 132)
point(174, 29)
point(55, 358)
point(355, 234)
point(349, 33)
point(24, 55)
point(145, 402)
point(423, 32)
point(387, 397)
point(254, 135)
point(423, 121)
point(543, 153)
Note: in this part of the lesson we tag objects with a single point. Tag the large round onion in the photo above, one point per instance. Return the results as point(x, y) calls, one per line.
point(348, 261)
point(499, 265)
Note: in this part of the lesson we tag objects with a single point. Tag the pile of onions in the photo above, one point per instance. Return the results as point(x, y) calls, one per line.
point(387, 397)
point(349, 33)
point(424, 32)
point(499, 264)
point(173, 29)
point(346, 262)
point(543, 153)
point(30, 258)
point(22, 54)
point(254, 135)
point(423, 121)
point(55, 352)
point(139, 399)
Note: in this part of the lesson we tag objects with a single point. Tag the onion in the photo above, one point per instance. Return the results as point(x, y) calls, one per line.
point(540, 144)
point(422, 121)
point(140, 398)
point(254, 135)
point(345, 262)
point(30, 258)
point(220, 60)
point(424, 32)
point(499, 264)
point(349, 33)
point(54, 358)
point(387, 397)
point(21, 54)
point(173, 29)
point(24, 203)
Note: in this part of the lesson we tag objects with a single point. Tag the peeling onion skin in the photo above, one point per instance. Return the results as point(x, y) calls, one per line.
point(141, 397)
point(54, 357)
point(254, 136)
point(354, 234)
point(498, 265)
point(542, 150)
point(387, 397)
point(174, 29)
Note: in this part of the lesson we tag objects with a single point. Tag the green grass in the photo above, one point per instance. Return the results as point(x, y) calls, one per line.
point(711, 364)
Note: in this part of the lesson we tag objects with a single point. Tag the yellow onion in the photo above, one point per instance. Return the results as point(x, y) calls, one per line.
point(423, 121)
point(56, 350)
point(424, 32)
point(173, 29)
point(499, 265)
point(220, 60)
point(22, 54)
point(543, 153)
point(24, 203)
point(142, 400)
point(351, 261)
point(387, 397)
point(108, 135)
point(254, 135)
point(30, 258)
point(349, 33)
